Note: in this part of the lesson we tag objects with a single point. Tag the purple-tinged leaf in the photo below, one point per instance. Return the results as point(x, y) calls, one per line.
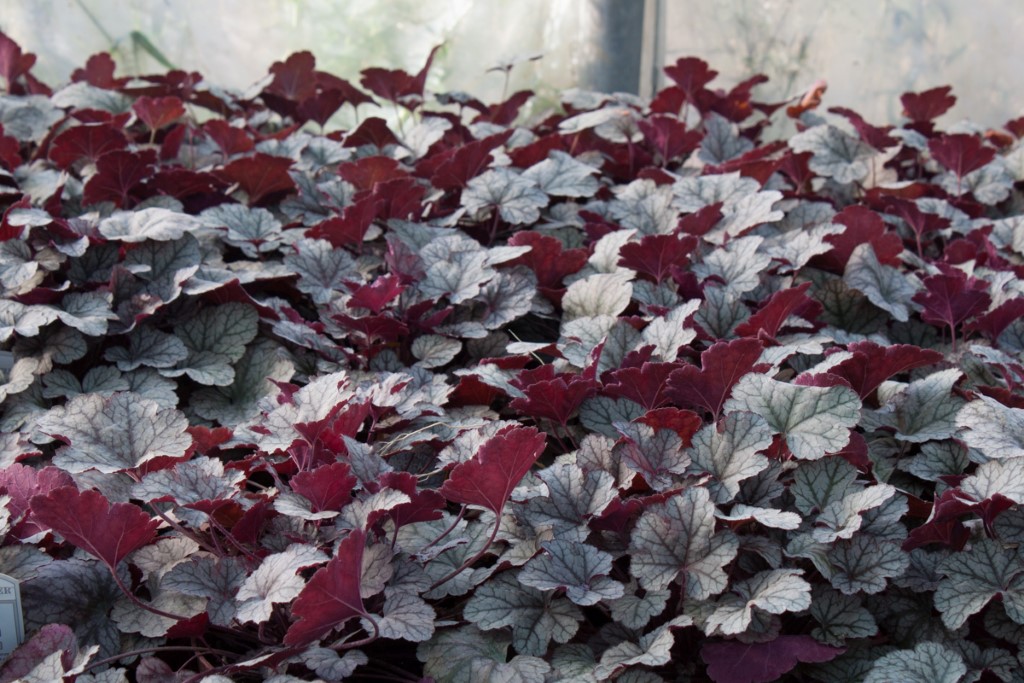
point(88, 521)
point(118, 174)
point(259, 176)
point(114, 434)
point(733, 661)
point(926, 106)
point(961, 153)
point(872, 364)
point(331, 598)
point(489, 478)
point(952, 297)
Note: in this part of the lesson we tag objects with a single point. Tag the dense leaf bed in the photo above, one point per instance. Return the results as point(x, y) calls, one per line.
point(626, 394)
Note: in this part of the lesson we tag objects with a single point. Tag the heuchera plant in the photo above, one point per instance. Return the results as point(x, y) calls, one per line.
point(626, 394)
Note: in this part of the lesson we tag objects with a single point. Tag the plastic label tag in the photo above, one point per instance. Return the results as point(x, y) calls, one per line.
point(12, 619)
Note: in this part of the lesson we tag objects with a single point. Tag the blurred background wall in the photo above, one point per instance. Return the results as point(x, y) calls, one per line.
point(869, 52)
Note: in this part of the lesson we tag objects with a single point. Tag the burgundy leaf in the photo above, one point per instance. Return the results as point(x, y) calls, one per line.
point(398, 86)
point(158, 112)
point(878, 138)
point(88, 142)
point(669, 137)
point(504, 113)
point(861, 226)
point(490, 476)
point(13, 63)
point(259, 175)
point(118, 173)
point(328, 487)
point(921, 222)
point(655, 255)
point(332, 596)
point(944, 525)
point(293, 78)
point(551, 395)
point(10, 151)
point(47, 640)
point(351, 226)
point(400, 198)
point(770, 318)
point(722, 365)
point(995, 321)
point(732, 661)
point(951, 297)
point(323, 105)
point(88, 520)
point(701, 221)
point(872, 364)
point(373, 131)
point(368, 171)
point(929, 105)
point(685, 423)
point(21, 483)
point(454, 168)
point(546, 258)
point(691, 74)
point(961, 153)
point(424, 505)
point(99, 72)
point(230, 139)
point(646, 385)
point(376, 295)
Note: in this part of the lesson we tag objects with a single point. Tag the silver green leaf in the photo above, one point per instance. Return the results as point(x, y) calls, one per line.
point(774, 591)
point(516, 197)
point(560, 175)
point(835, 153)
point(114, 434)
point(992, 428)
point(884, 286)
point(677, 538)
point(322, 268)
point(814, 420)
point(652, 649)
point(156, 224)
point(973, 578)
point(600, 294)
point(863, 564)
point(927, 663)
point(840, 617)
point(728, 451)
point(275, 580)
point(578, 568)
point(215, 338)
point(535, 619)
point(150, 347)
point(842, 518)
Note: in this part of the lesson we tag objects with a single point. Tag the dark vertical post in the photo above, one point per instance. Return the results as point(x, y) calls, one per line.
point(618, 46)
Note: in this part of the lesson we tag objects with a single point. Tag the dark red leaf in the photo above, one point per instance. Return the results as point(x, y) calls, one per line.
point(118, 173)
point(722, 365)
point(368, 171)
point(546, 258)
point(259, 175)
point(856, 452)
point(424, 505)
point(401, 198)
point(878, 138)
point(668, 137)
point(921, 222)
point(862, 226)
point(21, 483)
point(732, 661)
point(645, 385)
point(685, 423)
point(376, 295)
point(85, 142)
point(770, 318)
point(331, 597)
point(995, 321)
point(294, 78)
point(454, 168)
point(88, 521)
point(328, 487)
point(14, 63)
point(951, 297)
point(701, 221)
point(398, 86)
point(99, 72)
point(490, 476)
point(691, 74)
point(373, 131)
point(872, 364)
point(944, 525)
point(10, 151)
point(551, 395)
point(351, 226)
point(230, 139)
point(929, 105)
point(321, 106)
point(961, 153)
point(655, 255)
point(504, 113)
point(158, 112)
point(374, 328)
point(205, 440)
